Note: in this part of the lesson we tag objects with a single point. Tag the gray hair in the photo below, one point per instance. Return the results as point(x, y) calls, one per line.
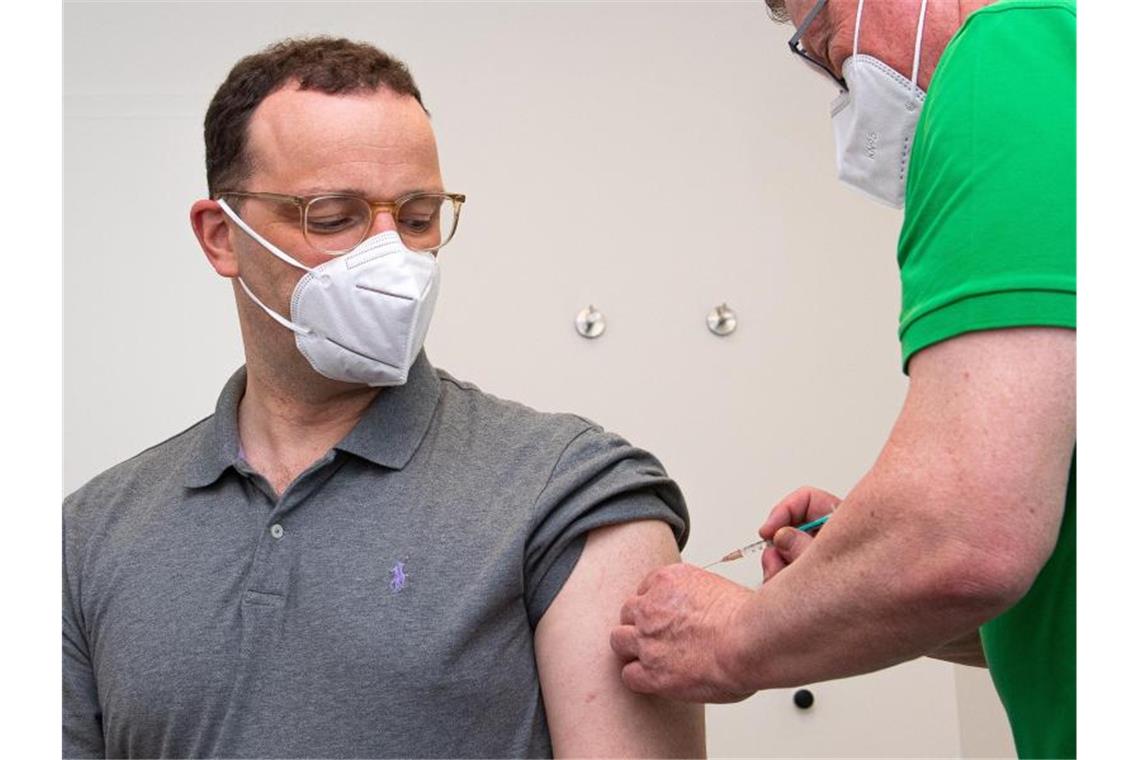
point(778, 11)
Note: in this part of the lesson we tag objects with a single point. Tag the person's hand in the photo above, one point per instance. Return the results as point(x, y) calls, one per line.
point(800, 506)
point(676, 636)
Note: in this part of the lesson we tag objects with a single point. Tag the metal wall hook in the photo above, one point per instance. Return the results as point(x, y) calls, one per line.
point(590, 322)
point(721, 320)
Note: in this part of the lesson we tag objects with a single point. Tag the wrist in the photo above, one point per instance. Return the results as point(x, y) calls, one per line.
point(735, 651)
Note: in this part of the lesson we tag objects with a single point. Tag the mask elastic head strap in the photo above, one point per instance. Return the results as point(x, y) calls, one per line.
point(858, 22)
point(917, 39)
point(918, 44)
point(265, 243)
point(280, 319)
point(276, 252)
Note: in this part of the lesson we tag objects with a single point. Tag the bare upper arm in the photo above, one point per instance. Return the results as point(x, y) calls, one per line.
point(985, 439)
point(588, 708)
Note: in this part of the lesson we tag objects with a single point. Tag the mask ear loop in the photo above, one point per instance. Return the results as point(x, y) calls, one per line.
point(276, 252)
point(917, 44)
point(280, 319)
point(265, 243)
point(917, 50)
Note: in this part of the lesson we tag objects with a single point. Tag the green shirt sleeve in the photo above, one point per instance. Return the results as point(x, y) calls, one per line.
point(989, 235)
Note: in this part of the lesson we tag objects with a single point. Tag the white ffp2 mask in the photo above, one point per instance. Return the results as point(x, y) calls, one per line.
point(874, 121)
point(361, 317)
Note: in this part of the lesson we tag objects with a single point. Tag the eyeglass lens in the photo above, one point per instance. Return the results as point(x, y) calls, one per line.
point(335, 224)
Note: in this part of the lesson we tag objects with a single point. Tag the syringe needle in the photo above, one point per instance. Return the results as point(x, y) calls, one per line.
point(737, 554)
point(757, 546)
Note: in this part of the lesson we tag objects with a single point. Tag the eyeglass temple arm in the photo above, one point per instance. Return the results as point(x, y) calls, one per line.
point(802, 29)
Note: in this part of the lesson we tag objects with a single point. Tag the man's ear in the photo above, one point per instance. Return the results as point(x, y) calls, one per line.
point(209, 223)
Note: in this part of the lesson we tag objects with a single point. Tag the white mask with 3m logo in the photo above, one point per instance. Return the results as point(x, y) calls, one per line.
point(874, 121)
point(361, 317)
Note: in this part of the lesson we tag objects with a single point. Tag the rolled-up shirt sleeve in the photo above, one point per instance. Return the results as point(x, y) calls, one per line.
point(600, 479)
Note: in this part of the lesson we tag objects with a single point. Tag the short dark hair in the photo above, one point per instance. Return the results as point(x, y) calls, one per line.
point(778, 11)
point(326, 64)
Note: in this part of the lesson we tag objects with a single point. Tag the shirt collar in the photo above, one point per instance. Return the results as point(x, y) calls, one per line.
point(397, 420)
point(217, 447)
point(388, 433)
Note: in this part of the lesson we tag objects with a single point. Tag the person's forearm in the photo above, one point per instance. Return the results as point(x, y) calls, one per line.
point(948, 529)
point(883, 583)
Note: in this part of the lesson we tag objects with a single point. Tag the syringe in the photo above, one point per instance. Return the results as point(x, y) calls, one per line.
point(757, 547)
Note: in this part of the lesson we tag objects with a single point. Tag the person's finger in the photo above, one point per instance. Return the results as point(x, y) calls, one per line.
point(800, 506)
point(626, 617)
point(636, 678)
point(821, 503)
point(771, 562)
point(623, 640)
point(647, 582)
point(791, 543)
point(787, 511)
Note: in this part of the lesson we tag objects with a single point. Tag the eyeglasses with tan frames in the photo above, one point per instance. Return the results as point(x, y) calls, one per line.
point(338, 222)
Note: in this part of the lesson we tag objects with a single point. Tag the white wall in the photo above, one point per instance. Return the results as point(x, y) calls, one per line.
point(559, 120)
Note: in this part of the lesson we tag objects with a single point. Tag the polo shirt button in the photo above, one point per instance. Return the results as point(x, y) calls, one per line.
point(276, 530)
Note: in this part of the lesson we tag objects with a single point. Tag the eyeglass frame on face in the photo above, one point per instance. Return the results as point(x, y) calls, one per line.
point(798, 49)
point(303, 202)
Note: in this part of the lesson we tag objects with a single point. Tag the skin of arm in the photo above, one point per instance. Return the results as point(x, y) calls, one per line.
point(948, 529)
point(589, 710)
point(807, 503)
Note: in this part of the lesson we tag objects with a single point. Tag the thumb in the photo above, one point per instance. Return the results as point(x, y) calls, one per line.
point(791, 543)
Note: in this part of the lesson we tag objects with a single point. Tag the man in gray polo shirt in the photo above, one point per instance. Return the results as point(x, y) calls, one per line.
point(356, 555)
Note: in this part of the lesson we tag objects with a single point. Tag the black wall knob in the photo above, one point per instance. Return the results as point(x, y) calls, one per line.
point(803, 699)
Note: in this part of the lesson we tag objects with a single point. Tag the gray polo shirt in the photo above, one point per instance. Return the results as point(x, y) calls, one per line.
point(383, 606)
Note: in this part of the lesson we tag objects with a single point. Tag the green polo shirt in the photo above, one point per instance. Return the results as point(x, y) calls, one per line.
point(989, 242)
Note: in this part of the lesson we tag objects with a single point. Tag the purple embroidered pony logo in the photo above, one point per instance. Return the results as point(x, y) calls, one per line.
point(399, 578)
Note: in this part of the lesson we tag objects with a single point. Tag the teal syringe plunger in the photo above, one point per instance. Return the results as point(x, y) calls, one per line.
point(757, 547)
